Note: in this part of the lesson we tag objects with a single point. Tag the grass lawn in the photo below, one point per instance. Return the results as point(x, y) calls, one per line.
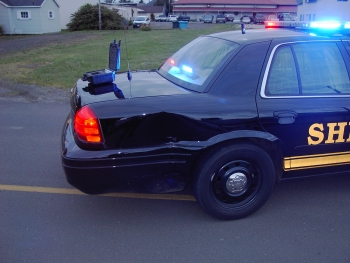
point(60, 65)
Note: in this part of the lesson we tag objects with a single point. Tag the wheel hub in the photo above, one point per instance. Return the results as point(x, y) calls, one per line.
point(236, 183)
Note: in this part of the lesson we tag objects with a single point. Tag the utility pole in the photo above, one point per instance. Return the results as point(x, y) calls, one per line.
point(99, 15)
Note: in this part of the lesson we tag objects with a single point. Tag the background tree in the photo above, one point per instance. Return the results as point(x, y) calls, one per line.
point(166, 2)
point(86, 18)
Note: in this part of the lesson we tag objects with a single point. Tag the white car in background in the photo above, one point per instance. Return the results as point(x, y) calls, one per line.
point(141, 20)
point(161, 18)
point(172, 18)
point(272, 18)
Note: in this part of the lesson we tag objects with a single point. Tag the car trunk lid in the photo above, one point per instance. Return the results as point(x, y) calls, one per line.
point(143, 84)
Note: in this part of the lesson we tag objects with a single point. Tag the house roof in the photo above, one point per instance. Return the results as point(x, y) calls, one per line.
point(150, 3)
point(235, 2)
point(27, 3)
point(151, 9)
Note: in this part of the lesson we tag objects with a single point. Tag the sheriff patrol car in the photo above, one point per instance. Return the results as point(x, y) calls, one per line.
point(229, 114)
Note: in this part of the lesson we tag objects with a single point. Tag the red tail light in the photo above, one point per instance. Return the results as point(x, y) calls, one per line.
point(271, 24)
point(86, 125)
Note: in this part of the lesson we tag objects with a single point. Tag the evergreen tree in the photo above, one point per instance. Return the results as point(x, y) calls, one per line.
point(86, 18)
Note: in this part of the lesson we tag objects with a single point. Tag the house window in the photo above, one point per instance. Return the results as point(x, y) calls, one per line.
point(51, 14)
point(23, 15)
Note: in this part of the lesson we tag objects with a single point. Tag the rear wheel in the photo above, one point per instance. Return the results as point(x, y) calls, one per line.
point(234, 181)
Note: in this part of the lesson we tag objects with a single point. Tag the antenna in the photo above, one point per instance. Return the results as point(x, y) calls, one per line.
point(127, 59)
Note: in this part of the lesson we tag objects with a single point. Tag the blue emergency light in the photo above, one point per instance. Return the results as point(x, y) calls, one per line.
point(325, 24)
point(326, 27)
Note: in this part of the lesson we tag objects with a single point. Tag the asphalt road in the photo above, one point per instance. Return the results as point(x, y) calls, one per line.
point(43, 219)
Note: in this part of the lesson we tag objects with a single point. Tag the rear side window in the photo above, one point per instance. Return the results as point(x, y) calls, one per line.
point(283, 77)
point(307, 69)
point(347, 46)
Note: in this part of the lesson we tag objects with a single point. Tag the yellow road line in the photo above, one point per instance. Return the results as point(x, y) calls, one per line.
point(68, 191)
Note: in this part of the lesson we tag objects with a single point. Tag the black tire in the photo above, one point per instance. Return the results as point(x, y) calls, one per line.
point(234, 181)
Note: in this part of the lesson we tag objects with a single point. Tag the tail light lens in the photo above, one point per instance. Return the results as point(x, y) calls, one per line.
point(271, 24)
point(86, 126)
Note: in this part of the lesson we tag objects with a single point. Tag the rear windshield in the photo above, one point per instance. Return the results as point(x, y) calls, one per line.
point(193, 66)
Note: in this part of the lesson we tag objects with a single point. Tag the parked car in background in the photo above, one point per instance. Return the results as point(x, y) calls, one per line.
point(172, 18)
point(220, 19)
point(141, 20)
point(245, 19)
point(272, 18)
point(183, 18)
point(285, 18)
point(229, 17)
point(201, 18)
point(208, 19)
point(259, 19)
point(161, 18)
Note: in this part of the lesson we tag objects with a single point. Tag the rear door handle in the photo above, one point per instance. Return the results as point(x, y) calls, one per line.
point(285, 117)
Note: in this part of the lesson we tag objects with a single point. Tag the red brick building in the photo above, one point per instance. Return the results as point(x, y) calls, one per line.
point(197, 8)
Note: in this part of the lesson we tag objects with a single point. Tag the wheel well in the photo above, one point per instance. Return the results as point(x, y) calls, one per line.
point(270, 147)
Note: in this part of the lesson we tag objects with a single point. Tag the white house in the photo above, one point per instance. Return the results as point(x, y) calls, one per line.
point(29, 16)
point(317, 10)
point(69, 7)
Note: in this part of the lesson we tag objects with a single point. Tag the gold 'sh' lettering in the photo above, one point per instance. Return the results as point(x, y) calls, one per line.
point(315, 131)
point(335, 133)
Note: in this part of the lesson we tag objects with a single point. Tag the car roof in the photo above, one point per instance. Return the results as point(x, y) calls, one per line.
point(258, 35)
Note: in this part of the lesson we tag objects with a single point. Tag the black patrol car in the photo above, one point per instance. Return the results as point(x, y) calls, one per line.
point(229, 114)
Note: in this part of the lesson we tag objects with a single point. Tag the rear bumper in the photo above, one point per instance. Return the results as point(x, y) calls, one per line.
point(156, 170)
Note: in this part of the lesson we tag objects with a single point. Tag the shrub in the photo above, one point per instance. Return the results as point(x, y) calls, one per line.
point(145, 28)
point(1, 30)
point(86, 18)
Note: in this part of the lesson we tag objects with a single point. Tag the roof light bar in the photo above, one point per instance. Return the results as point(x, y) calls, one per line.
point(325, 24)
point(326, 27)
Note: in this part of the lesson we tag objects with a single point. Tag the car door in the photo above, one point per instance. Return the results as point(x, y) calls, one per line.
point(305, 102)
